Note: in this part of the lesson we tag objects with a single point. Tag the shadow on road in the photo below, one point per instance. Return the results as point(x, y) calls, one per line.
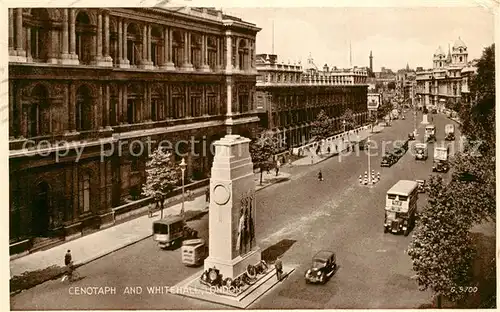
point(272, 252)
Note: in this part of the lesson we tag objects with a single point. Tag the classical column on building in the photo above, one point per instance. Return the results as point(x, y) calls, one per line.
point(20, 53)
point(150, 56)
point(72, 38)
point(254, 56)
point(237, 54)
point(187, 65)
point(167, 63)
point(100, 59)
point(11, 33)
point(107, 57)
point(64, 58)
point(124, 62)
point(144, 57)
point(204, 53)
point(218, 56)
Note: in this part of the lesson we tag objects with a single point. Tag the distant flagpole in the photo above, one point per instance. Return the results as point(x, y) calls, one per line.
point(272, 49)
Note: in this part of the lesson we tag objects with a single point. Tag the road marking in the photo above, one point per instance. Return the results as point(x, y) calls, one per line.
point(381, 250)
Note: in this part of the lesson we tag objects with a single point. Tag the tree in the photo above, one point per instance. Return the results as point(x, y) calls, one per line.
point(162, 177)
point(348, 118)
point(441, 247)
point(321, 127)
point(384, 109)
point(263, 149)
point(391, 85)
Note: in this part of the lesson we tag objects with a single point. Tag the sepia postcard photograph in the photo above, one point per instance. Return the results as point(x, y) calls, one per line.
point(176, 155)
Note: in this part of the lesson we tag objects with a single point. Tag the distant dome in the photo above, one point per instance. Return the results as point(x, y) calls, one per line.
point(459, 44)
point(439, 51)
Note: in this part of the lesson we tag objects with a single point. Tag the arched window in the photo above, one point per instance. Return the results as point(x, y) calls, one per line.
point(461, 59)
point(134, 45)
point(212, 52)
point(134, 103)
point(83, 109)
point(39, 35)
point(196, 50)
point(157, 44)
point(84, 192)
point(177, 48)
point(157, 104)
point(39, 119)
point(243, 55)
point(84, 38)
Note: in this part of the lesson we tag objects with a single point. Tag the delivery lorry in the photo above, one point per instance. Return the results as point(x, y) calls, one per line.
point(421, 152)
point(441, 163)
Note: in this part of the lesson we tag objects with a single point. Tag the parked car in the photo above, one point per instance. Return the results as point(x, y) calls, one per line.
point(324, 265)
point(421, 186)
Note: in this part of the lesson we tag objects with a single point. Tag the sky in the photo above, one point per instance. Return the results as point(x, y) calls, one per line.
point(395, 35)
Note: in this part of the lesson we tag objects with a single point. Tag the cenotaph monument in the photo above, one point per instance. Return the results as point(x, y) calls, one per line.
point(232, 209)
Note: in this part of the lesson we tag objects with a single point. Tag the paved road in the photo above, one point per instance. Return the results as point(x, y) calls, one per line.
point(302, 216)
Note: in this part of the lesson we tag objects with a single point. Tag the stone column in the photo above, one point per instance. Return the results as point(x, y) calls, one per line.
point(237, 55)
point(168, 65)
point(218, 62)
point(107, 57)
point(125, 63)
point(11, 32)
point(19, 33)
point(120, 41)
point(149, 45)
point(187, 66)
point(72, 36)
point(65, 35)
point(144, 44)
point(99, 37)
point(204, 53)
point(254, 55)
point(106, 110)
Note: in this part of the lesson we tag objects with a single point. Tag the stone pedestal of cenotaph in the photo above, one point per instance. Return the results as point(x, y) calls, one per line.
point(232, 238)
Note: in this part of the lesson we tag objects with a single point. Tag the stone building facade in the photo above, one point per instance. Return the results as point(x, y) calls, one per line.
point(290, 96)
point(87, 89)
point(448, 80)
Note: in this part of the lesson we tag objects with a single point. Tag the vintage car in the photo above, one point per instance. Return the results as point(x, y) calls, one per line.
point(388, 160)
point(324, 265)
point(421, 186)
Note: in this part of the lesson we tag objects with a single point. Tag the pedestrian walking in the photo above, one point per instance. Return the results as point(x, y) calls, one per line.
point(320, 176)
point(207, 195)
point(150, 210)
point(278, 265)
point(328, 150)
point(68, 262)
point(278, 164)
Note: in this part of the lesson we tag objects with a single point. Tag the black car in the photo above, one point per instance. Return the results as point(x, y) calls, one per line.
point(323, 266)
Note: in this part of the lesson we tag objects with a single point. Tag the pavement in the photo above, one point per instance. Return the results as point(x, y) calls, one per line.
point(311, 158)
point(96, 245)
point(295, 219)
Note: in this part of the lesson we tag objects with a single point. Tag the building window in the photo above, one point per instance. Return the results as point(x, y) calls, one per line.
point(84, 193)
point(196, 50)
point(157, 44)
point(212, 105)
point(134, 44)
point(177, 48)
point(212, 52)
point(83, 109)
point(135, 159)
point(131, 107)
point(39, 34)
point(85, 34)
point(195, 106)
point(178, 107)
point(39, 119)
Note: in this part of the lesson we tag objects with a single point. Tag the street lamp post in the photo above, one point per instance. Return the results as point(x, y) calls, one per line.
point(369, 165)
point(183, 168)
